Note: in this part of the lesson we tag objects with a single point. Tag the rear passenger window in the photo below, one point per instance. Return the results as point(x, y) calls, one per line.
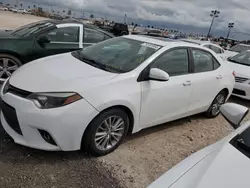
point(203, 61)
point(216, 49)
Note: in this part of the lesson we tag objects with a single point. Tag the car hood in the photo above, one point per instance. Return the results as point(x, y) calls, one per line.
point(6, 34)
point(240, 70)
point(59, 73)
point(219, 165)
point(230, 53)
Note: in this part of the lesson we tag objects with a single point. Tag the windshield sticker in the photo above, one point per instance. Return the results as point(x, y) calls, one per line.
point(156, 47)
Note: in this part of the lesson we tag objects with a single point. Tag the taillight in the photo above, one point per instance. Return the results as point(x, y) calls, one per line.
point(234, 74)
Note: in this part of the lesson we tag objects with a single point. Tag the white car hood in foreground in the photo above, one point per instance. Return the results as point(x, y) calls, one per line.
point(58, 73)
point(240, 70)
point(217, 166)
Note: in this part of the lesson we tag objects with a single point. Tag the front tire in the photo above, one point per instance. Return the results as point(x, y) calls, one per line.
point(106, 132)
point(8, 64)
point(214, 109)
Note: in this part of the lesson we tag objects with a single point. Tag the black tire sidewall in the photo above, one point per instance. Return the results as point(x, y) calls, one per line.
point(89, 136)
point(209, 111)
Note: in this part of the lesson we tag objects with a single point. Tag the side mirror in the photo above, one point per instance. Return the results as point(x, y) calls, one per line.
point(43, 40)
point(234, 113)
point(158, 75)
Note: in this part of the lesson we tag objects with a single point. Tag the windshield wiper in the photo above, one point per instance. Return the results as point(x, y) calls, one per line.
point(94, 62)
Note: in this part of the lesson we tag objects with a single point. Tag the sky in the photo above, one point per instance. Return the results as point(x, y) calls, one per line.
point(185, 15)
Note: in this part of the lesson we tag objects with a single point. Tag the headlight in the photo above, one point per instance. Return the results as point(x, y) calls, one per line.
point(53, 100)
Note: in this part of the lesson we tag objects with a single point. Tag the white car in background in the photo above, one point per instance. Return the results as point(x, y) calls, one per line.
point(94, 97)
point(241, 65)
point(20, 11)
point(4, 8)
point(224, 164)
point(216, 48)
point(238, 48)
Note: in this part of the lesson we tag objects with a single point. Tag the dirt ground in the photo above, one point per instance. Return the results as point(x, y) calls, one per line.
point(141, 159)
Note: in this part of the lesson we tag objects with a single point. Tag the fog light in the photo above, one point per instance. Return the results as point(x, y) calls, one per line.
point(47, 137)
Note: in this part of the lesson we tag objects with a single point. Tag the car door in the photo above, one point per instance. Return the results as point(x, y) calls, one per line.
point(92, 36)
point(205, 79)
point(168, 100)
point(64, 38)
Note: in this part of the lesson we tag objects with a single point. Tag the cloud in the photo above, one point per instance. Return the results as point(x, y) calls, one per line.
point(193, 13)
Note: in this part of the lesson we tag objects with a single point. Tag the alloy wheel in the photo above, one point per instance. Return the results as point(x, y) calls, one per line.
point(218, 102)
point(109, 133)
point(7, 67)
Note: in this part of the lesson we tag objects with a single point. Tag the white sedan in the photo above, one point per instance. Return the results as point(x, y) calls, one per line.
point(216, 48)
point(94, 97)
point(224, 164)
point(241, 66)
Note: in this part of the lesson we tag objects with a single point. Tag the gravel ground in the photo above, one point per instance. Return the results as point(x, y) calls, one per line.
point(141, 159)
point(22, 167)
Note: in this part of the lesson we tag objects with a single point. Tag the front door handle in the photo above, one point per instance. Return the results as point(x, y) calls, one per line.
point(187, 83)
point(219, 77)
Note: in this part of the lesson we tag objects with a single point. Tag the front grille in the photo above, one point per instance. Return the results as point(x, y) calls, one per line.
point(10, 116)
point(240, 79)
point(239, 92)
point(19, 92)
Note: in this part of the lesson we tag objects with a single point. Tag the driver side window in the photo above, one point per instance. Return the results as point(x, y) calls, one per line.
point(175, 62)
point(64, 34)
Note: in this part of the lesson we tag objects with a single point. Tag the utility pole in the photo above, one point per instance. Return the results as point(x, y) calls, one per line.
point(230, 26)
point(214, 14)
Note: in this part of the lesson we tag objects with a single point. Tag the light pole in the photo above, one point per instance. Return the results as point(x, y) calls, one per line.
point(125, 18)
point(214, 14)
point(230, 26)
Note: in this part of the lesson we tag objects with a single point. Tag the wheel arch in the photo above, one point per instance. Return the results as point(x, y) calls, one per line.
point(126, 109)
point(9, 52)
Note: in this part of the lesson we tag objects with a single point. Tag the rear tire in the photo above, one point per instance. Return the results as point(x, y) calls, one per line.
point(100, 138)
point(214, 109)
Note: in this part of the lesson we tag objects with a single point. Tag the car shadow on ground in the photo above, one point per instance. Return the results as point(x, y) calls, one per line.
point(12, 152)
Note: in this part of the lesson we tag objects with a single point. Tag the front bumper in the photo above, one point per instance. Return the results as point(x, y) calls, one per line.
point(242, 90)
point(66, 125)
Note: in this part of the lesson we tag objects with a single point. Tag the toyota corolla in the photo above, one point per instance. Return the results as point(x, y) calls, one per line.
point(94, 97)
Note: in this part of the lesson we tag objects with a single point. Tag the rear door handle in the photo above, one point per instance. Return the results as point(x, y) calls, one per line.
point(219, 77)
point(187, 83)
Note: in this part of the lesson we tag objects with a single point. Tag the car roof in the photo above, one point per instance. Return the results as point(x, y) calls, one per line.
point(56, 22)
point(199, 42)
point(160, 41)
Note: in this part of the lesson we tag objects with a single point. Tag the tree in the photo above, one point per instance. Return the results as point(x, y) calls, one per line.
point(34, 6)
point(132, 23)
point(69, 12)
point(91, 16)
point(58, 12)
point(21, 5)
point(1, 3)
point(152, 26)
point(7, 5)
point(63, 11)
point(15, 5)
point(28, 7)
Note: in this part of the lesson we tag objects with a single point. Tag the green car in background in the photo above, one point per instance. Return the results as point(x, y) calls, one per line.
point(44, 38)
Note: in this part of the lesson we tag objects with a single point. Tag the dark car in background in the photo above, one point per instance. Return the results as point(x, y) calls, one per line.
point(118, 29)
point(44, 38)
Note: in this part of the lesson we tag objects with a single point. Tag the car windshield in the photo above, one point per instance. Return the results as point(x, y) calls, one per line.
point(118, 54)
point(242, 58)
point(242, 142)
point(30, 29)
point(240, 48)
